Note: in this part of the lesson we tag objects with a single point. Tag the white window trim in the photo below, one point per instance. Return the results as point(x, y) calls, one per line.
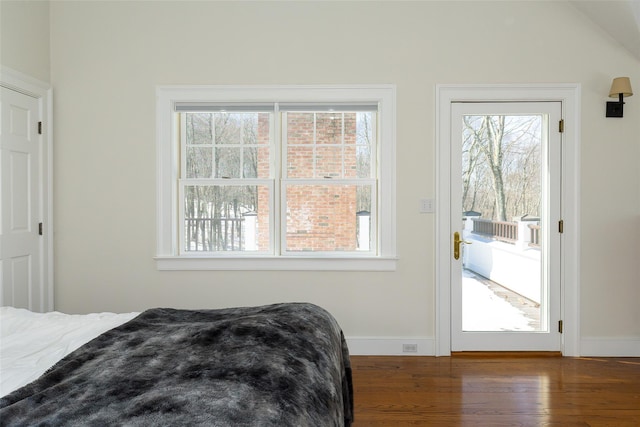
point(167, 152)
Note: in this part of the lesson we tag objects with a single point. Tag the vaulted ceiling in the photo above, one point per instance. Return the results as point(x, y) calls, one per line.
point(619, 18)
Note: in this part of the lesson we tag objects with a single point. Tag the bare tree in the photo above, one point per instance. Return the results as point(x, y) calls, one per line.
point(501, 165)
point(364, 146)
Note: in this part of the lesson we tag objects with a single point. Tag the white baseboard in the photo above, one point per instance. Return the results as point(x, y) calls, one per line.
point(381, 346)
point(610, 347)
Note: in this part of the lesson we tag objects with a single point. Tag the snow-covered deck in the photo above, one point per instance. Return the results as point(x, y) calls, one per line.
point(487, 306)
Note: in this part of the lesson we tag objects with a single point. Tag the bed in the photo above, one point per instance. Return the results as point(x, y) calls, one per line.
point(276, 365)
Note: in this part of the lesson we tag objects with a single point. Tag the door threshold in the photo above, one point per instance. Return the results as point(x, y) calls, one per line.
point(506, 354)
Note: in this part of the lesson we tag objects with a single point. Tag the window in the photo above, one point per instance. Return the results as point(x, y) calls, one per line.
point(276, 177)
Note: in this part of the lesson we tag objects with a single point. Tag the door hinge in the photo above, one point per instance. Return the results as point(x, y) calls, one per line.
point(560, 325)
point(561, 126)
point(561, 226)
point(40, 229)
point(39, 128)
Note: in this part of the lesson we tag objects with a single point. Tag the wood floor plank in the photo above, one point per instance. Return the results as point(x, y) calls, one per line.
point(496, 390)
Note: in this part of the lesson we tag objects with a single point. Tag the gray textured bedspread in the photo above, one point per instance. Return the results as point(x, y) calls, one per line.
point(275, 365)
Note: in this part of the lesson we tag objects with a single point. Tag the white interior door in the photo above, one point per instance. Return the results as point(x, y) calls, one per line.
point(21, 246)
point(505, 207)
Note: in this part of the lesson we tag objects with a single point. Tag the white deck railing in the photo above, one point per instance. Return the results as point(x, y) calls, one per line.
point(514, 263)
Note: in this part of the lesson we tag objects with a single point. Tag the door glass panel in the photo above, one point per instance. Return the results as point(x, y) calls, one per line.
point(503, 285)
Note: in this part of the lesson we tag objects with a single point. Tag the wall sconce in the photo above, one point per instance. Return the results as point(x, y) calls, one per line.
point(620, 87)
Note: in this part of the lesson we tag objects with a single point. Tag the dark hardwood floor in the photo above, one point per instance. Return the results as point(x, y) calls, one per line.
point(496, 390)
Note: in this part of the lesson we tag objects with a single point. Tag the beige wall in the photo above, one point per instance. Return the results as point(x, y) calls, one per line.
point(108, 57)
point(24, 37)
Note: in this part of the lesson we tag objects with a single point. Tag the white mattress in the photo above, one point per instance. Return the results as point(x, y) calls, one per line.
point(30, 343)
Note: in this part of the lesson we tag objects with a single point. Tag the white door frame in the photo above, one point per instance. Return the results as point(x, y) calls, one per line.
point(569, 96)
point(19, 82)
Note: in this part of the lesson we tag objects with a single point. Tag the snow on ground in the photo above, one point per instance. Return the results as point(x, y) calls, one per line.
point(485, 311)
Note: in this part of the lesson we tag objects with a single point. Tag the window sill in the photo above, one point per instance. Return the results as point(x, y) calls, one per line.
point(267, 263)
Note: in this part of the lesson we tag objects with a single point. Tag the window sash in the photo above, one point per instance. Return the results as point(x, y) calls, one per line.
point(184, 183)
point(314, 147)
point(372, 247)
point(214, 148)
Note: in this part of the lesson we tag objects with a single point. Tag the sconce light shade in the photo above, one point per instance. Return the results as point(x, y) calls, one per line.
point(620, 88)
point(620, 85)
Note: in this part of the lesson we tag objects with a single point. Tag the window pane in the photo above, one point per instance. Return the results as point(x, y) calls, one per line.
point(324, 218)
point(363, 161)
point(262, 134)
point(300, 128)
point(229, 128)
point(199, 128)
point(365, 140)
point(250, 162)
point(299, 161)
point(226, 218)
point(250, 129)
point(328, 162)
point(228, 162)
point(199, 162)
point(329, 128)
point(262, 163)
point(334, 144)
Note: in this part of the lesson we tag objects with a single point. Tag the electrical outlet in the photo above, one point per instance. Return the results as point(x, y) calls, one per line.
point(409, 348)
point(426, 206)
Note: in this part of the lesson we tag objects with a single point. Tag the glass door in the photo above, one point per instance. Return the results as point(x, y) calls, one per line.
point(505, 218)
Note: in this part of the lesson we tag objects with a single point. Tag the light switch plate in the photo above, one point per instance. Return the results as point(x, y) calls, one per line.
point(426, 206)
